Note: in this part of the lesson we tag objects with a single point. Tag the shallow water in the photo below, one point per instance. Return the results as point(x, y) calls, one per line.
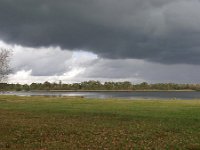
point(124, 95)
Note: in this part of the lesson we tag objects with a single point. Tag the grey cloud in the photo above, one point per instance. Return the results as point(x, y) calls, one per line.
point(140, 71)
point(154, 30)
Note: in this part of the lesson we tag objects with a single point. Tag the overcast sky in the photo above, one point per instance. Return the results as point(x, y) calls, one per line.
point(107, 40)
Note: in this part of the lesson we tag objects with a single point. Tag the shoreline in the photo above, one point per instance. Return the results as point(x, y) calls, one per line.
point(113, 91)
point(102, 91)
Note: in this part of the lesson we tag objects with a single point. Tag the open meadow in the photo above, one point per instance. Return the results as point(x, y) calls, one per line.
point(80, 123)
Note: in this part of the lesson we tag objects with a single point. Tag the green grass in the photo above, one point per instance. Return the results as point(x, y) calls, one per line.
point(79, 123)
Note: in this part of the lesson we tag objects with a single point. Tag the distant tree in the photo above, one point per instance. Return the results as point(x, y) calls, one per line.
point(46, 85)
point(91, 85)
point(109, 85)
point(126, 85)
point(33, 86)
point(143, 86)
point(4, 64)
point(18, 87)
point(60, 84)
point(26, 87)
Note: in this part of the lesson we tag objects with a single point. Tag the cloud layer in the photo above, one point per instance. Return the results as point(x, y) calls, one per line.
point(155, 30)
point(54, 64)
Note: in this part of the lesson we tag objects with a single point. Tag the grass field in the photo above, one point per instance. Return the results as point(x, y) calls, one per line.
point(79, 123)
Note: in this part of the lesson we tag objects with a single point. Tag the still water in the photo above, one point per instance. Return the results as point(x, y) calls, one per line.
point(123, 95)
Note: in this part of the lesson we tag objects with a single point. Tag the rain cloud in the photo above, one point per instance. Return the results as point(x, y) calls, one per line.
point(166, 32)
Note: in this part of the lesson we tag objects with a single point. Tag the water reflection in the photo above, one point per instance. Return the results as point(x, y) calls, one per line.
point(123, 95)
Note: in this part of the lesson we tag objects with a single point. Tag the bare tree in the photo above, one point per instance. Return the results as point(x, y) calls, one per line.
point(4, 64)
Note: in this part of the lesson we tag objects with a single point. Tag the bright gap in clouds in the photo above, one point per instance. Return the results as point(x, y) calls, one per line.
point(47, 64)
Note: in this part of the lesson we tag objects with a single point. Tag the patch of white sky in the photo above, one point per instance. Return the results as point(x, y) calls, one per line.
point(51, 63)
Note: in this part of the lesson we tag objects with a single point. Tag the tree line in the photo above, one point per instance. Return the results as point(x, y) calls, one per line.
point(97, 85)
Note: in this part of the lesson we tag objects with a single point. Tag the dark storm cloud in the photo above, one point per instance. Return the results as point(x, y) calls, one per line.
point(155, 30)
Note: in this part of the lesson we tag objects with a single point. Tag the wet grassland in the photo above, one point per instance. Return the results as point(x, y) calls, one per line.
point(78, 123)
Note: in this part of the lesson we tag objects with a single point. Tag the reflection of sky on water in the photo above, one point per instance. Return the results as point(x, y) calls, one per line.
point(122, 95)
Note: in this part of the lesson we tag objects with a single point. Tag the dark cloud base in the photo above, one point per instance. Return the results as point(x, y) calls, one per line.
point(155, 30)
